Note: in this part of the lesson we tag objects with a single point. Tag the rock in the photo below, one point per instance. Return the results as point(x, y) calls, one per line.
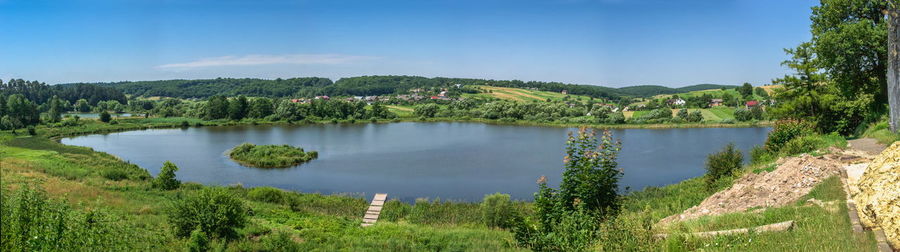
point(878, 199)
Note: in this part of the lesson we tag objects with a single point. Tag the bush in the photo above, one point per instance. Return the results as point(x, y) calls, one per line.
point(105, 117)
point(114, 174)
point(185, 124)
point(802, 144)
point(743, 115)
point(213, 211)
point(784, 131)
point(32, 131)
point(759, 155)
point(166, 178)
point(114, 122)
point(267, 194)
point(723, 163)
point(280, 241)
point(497, 211)
point(199, 241)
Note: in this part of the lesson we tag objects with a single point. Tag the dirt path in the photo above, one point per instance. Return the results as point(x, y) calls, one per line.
point(867, 145)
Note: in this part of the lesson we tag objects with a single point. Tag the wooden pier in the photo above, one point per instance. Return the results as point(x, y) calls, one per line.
point(374, 209)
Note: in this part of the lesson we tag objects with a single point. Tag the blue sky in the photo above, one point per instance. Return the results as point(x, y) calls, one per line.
point(601, 42)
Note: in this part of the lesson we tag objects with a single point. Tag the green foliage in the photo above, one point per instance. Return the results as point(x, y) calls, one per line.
point(32, 222)
point(746, 90)
point(743, 114)
point(214, 211)
point(105, 117)
point(166, 179)
point(270, 156)
point(785, 131)
point(839, 82)
point(198, 242)
point(498, 211)
point(569, 218)
point(426, 110)
point(723, 164)
point(267, 194)
point(280, 241)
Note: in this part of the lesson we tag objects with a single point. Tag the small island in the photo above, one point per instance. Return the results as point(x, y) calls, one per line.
point(270, 156)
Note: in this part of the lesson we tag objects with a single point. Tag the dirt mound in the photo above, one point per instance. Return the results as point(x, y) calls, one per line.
point(794, 178)
point(878, 197)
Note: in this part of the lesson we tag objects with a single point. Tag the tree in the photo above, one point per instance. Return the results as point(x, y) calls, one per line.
point(426, 110)
point(83, 106)
point(166, 178)
point(216, 108)
point(893, 71)
point(105, 117)
point(55, 109)
point(746, 90)
point(260, 108)
point(237, 109)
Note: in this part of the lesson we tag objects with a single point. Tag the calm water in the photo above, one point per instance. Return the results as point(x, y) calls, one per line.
point(460, 161)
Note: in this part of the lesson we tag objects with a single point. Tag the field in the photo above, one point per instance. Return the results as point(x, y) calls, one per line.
point(524, 95)
point(710, 114)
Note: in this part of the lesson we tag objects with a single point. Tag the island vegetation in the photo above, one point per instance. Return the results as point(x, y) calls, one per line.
point(270, 156)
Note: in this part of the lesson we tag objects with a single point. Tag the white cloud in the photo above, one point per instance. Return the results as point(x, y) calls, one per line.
point(256, 59)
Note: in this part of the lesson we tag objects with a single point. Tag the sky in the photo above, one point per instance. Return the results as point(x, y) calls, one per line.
point(599, 42)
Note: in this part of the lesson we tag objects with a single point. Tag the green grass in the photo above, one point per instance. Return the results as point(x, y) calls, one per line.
point(816, 228)
point(270, 156)
point(78, 177)
point(73, 175)
point(722, 113)
point(880, 131)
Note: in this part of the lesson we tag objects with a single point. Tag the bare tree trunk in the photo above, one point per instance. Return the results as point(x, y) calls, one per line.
point(893, 71)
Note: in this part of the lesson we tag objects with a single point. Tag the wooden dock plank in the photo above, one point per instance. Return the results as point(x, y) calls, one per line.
point(374, 210)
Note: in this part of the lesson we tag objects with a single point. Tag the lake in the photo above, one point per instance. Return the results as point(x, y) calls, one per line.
point(458, 161)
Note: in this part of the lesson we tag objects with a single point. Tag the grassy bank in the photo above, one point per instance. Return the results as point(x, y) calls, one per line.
point(88, 183)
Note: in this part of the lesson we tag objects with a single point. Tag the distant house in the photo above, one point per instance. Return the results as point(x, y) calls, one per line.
point(458, 85)
point(675, 102)
point(751, 104)
point(565, 92)
point(323, 97)
point(715, 102)
point(416, 90)
point(296, 100)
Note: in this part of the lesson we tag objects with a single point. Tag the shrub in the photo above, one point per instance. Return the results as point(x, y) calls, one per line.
point(280, 241)
point(114, 122)
point(105, 117)
point(213, 211)
point(166, 178)
point(114, 174)
point(498, 211)
point(267, 194)
point(784, 131)
point(759, 155)
point(723, 163)
point(199, 241)
point(743, 114)
point(31, 131)
point(802, 144)
point(185, 124)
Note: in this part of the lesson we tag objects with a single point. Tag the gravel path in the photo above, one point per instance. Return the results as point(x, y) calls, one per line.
point(868, 145)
